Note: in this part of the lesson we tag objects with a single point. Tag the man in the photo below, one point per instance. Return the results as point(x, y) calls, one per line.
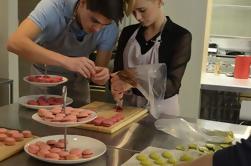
point(62, 34)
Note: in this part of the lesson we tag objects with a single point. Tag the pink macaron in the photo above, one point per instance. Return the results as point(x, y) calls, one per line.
point(27, 134)
point(9, 141)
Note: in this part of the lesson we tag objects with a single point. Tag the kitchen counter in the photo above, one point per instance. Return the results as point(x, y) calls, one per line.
point(221, 82)
point(121, 145)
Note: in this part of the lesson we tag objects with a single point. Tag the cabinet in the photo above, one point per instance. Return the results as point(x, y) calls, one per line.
point(231, 19)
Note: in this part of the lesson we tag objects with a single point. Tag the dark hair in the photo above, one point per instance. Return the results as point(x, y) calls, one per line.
point(112, 9)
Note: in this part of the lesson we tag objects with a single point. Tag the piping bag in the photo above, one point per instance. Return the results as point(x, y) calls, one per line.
point(150, 80)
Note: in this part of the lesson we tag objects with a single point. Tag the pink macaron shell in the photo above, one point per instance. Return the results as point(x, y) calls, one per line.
point(76, 111)
point(33, 148)
point(18, 137)
point(87, 152)
point(76, 151)
point(62, 140)
point(87, 156)
point(45, 147)
point(55, 150)
point(70, 118)
point(42, 112)
point(11, 132)
point(39, 143)
point(53, 156)
point(2, 137)
point(56, 110)
point(72, 157)
point(60, 145)
point(9, 141)
point(51, 142)
point(57, 119)
point(3, 130)
point(60, 115)
point(49, 115)
point(27, 134)
point(42, 153)
point(63, 153)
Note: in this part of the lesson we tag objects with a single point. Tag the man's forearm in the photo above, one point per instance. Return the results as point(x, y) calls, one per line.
point(31, 51)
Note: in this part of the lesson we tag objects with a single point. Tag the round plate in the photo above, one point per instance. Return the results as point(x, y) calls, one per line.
point(23, 101)
point(45, 84)
point(91, 117)
point(74, 141)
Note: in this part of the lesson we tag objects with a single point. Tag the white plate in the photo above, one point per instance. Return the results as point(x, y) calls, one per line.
point(23, 101)
point(91, 117)
point(74, 141)
point(176, 154)
point(45, 84)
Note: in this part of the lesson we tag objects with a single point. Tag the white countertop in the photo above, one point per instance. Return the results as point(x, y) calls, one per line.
point(221, 82)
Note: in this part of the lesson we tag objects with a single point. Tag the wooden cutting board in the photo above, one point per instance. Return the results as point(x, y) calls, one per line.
point(107, 110)
point(7, 151)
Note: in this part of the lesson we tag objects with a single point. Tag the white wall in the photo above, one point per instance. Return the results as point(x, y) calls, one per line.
point(8, 61)
point(192, 14)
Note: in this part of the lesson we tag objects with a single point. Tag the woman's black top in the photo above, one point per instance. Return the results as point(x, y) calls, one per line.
point(237, 155)
point(174, 51)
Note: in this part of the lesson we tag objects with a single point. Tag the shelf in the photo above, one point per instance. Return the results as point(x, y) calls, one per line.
point(232, 6)
point(231, 37)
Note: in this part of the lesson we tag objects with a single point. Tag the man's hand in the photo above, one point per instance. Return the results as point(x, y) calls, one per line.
point(82, 65)
point(101, 75)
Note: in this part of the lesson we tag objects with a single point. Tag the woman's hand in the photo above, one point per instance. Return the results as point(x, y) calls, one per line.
point(118, 87)
point(82, 65)
point(101, 76)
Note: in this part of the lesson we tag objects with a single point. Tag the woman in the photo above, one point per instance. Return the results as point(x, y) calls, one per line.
point(156, 39)
point(62, 34)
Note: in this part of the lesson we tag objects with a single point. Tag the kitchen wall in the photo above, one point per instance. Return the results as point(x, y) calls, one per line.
point(24, 8)
point(231, 25)
point(231, 18)
point(195, 16)
point(8, 61)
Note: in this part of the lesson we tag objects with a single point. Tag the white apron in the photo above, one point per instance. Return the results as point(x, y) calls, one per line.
point(132, 57)
point(67, 44)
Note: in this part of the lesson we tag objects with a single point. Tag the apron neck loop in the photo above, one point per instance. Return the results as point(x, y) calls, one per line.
point(75, 11)
point(76, 8)
point(161, 29)
point(75, 15)
point(162, 26)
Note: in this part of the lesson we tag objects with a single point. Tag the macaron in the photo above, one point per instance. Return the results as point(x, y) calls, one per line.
point(72, 157)
point(9, 141)
point(2, 137)
point(33, 148)
point(27, 134)
point(53, 156)
point(3, 130)
point(18, 137)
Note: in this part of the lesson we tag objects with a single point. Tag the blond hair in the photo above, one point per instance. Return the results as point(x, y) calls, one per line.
point(128, 6)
